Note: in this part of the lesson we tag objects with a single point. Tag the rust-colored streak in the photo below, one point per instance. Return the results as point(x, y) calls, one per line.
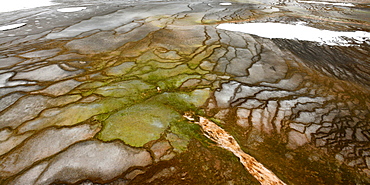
point(225, 140)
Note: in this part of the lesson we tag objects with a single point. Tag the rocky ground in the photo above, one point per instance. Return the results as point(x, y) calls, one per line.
point(97, 95)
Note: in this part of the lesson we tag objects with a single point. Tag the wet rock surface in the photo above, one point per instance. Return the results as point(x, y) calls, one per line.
point(95, 94)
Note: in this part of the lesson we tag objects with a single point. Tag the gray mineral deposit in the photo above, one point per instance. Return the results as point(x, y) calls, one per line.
point(198, 92)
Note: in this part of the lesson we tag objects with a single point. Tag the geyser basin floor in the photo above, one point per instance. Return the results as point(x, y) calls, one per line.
point(96, 95)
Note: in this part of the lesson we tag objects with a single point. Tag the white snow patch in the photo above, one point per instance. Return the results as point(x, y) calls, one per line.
point(225, 4)
point(13, 5)
point(71, 9)
point(327, 3)
point(299, 32)
point(11, 26)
